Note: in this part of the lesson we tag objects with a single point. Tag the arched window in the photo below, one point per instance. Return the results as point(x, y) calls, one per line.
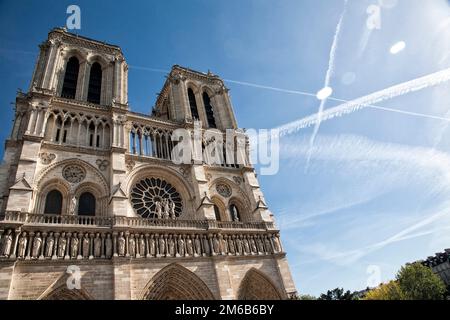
point(86, 204)
point(95, 83)
point(70, 79)
point(53, 202)
point(193, 104)
point(234, 212)
point(217, 212)
point(209, 111)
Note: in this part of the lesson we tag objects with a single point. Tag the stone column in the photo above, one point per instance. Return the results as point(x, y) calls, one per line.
point(55, 246)
point(102, 251)
point(49, 69)
point(115, 244)
point(91, 246)
point(30, 245)
point(16, 241)
point(44, 241)
point(127, 238)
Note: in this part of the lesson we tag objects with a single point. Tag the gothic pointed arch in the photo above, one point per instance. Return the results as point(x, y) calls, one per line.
point(193, 104)
point(175, 282)
point(209, 110)
point(59, 290)
point(257, 286)
point(63, 293)
point(69, 86)
point(95, 83)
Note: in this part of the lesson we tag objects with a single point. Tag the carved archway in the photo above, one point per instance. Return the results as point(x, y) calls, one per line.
point(257, 286)
point(63, 293)
point(175, 282)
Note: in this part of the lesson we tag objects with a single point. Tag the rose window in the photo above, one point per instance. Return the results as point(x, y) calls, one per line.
point(73, 173)
point(151, 196)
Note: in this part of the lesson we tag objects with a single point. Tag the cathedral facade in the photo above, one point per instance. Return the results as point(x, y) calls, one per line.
point(94, 204)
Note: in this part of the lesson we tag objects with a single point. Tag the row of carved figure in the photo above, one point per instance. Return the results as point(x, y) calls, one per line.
point(79, 245)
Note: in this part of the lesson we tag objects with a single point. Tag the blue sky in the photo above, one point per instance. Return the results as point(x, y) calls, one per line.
point(377, 188)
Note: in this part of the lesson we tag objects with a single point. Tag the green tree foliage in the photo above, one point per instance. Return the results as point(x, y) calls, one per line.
point(337, 294)
point(413, 282)
point(388, 291)
point(418, 282)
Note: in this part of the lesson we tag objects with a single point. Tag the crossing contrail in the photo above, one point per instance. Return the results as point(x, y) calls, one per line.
point(328, 76)
point(370, 100)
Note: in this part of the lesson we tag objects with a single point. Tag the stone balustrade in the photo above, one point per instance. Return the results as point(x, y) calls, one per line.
point(19, 218)
point(31, 243)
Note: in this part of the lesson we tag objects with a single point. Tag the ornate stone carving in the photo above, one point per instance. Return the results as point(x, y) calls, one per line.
point(237, 180)
point(102, 164)
point(156, 198)
point(62, 245)
point(130, 164)
point(22, 245)
point(46, 157)
point(37, 243)
point(223, 189)
point(74, 173)
point(121, 243)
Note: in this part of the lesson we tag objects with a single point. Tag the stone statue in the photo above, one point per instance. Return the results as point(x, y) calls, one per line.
point(37, 243)
point(166, 209)
point(189, 249)
point(74, 245)
point(216, 244)
point(268, 245)
point(152, 248)
point(121, 244)
point(73, 205)
point(206, 246)
point(22, 245)
point(276, 244)
point(172, 210)
point(180, 246)
point(235, 214)
point(162, 246)
point(253, 245)
point(50, 244)
point(238, 245)
point(260, 245)
point(62, 245)
point(198, 246)
point(222, 243)
point(86, 244)
point(225, 244)
point(132, 246)
point(246, 245)
point(158, 209)
point(171, 246)
point(7, 243)
point(108, 246)
point(142, 245)
point(231, 245)
point(97, 246)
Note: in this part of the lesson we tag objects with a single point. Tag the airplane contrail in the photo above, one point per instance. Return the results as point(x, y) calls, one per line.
point(368, 101)
point(443, 75)
point(329, 74)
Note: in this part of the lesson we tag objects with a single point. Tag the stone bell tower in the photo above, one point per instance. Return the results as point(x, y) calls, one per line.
point(91, 186)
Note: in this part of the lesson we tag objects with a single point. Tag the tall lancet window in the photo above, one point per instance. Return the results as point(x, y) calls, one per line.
point(209, 111)
point(95, 83)
point(193, 104)
point(70, 79)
